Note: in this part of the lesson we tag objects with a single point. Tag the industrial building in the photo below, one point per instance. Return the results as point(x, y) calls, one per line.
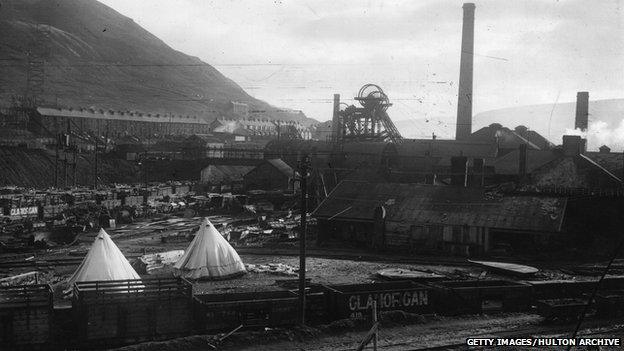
point(272, 174)
point(429, 218)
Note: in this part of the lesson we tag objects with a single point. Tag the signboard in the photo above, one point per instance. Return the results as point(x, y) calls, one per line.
point(24, 211)
point(411, 300)
point(356, 301)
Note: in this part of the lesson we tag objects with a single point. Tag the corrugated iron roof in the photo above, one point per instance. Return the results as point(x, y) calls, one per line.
point(368, 153)
point(424, 154)
point(281, 166)
point(224, 173)
point(601, 168)
point(417, 203)
point(506, 138)
point(509, 163)
point(611, 161)
point(441, 148)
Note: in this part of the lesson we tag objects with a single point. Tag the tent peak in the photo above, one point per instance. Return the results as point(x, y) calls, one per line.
point(206, 222)
point(102, 233)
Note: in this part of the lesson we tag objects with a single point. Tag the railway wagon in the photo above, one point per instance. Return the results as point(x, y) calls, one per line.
point(222, 312)
point(477, 296)
point(610, 303)
point(552, 289)
point(130, 311)
point(25, 316)
point(356, 300)
point(114, 313)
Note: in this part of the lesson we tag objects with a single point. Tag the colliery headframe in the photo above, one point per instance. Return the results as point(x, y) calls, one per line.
point(370, 122)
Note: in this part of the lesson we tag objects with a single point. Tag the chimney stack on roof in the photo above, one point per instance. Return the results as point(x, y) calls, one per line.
point(573, 145)
point(459, 169)
point(478, 172)
point(604, 149)
point(464, 100)
point(582, 110)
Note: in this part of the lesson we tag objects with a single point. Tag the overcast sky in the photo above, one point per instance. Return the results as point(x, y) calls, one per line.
point(297, 54)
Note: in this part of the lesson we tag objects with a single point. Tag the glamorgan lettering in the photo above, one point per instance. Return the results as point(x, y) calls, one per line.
point(388, 300)
point(23, 211)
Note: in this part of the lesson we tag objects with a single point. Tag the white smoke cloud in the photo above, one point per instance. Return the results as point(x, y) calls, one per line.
point(601, 133)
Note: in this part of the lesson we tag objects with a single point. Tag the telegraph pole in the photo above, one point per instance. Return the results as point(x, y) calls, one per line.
point(56, 160)
point(304, 168)
point(95, 165)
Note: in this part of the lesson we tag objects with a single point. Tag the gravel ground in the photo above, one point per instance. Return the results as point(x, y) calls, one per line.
point(319, 270)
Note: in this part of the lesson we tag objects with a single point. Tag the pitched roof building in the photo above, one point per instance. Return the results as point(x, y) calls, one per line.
point(566, 166)
point(507, 139)
point(271, 174)
point(434, 217)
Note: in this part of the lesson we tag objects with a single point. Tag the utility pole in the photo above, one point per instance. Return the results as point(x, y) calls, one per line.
point(95, 165)
point(304, 168)
point(56, 160)
point(75, 150)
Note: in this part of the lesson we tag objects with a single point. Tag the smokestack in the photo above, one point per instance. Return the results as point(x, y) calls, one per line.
point(336, 126)
point(522, 160)
point(464, 100)
point(478, 168)
point(582, 110)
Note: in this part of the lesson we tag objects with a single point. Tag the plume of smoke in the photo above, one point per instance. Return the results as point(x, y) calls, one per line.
point(601, 133)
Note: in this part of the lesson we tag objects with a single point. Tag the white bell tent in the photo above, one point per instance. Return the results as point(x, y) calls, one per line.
point(209, 256)
point(104, 262)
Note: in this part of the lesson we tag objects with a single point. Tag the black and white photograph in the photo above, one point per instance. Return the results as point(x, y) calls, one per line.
point(305, 175)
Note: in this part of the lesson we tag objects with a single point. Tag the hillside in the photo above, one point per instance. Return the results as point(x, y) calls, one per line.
point(103, 59)
point(35, 168)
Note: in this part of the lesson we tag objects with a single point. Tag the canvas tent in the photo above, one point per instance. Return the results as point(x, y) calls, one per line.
point(209, 256)
point(104, 262)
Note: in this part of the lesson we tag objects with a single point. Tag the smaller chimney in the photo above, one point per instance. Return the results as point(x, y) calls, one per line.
point(582, 110)
point(478, 169)
point(604, 149)
point(459, 170)
point(522, 160)
point(572, 145)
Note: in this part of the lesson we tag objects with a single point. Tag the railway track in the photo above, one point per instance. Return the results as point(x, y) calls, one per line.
point(593, 328)
point(42, 263)
point(562, 331)
point(35, 263)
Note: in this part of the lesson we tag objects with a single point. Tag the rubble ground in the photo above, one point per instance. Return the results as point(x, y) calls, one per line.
point(397, 332)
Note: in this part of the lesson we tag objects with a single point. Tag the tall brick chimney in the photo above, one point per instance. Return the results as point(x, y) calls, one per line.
point(582, 110)
point(464, 100)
